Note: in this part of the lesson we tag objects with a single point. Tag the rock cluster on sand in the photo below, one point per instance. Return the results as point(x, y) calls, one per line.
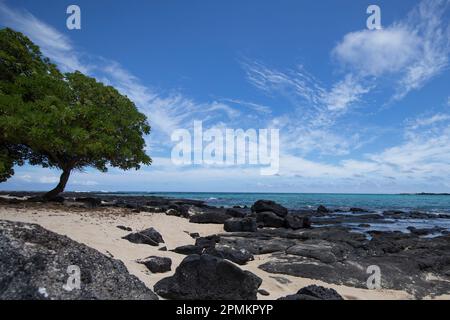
point(420, 266)
point(34, 264)
point(148, 236)
point(332, 245)
point(314, 292)
point(210, 246)
point(205, 277)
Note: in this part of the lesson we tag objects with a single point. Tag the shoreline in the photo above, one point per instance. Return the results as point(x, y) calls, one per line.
point(97, 228)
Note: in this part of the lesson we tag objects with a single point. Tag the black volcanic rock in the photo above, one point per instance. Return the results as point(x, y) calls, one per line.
point(157, 264)
point(207, 242)
point(263, 292)
point(34, 266)
point(239, 256)
point(314, 292)
point(240, 225)
point(204, 277)
point(319, 250)
point(188, 249)
point(358, 210)
point(269, 219)
point(322, 209)
point(213, 217)
point(90, 202)
point(270, 206)
point(148, 236)
point(237, 212)
point(295, 221)
point(124, 228)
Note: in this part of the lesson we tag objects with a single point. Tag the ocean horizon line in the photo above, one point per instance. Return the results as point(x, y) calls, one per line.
point(238, 192)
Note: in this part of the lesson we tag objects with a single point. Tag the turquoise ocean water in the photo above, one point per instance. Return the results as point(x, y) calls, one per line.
point(373, 202)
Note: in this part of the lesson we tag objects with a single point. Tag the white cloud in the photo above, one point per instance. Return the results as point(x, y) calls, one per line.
point(375, 53)
point(25, 177)
point(86, 183)
point(49, 179)
point(412, 51)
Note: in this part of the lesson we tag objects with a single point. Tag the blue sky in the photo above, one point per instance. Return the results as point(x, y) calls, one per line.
point(358, 110)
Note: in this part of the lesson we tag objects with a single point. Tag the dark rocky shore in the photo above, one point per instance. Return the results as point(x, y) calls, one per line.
point(34, 266)
point(316, 244)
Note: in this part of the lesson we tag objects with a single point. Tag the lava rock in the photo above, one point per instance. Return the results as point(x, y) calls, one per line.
point(188, 249)
point(322, 209)
point(293, 221)
point(263, 292)
point(236, 212)
point(90, 202)
point(239, 256)
point(314, 292)
point(270, 206)
point(124, 228)
point(34, 266)
point(269, 219)
point(157, 264)
point(357, 210)
point(207, 242)
point(205, 277)
point(318, 251)
point(173, 212)
point(213, 217)
point(424, 232)
point(148, 236)
point(240, 225)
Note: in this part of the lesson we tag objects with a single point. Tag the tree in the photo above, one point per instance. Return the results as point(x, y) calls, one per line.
point(70, 122)
point(20, 60)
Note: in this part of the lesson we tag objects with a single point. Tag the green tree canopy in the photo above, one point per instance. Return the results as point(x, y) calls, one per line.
point(20, 60)
point(68, 121)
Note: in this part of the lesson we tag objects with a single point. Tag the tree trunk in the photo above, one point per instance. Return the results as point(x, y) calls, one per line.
point(61, 185)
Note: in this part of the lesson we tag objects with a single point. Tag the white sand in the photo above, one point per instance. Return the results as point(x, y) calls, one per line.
point(98, 229)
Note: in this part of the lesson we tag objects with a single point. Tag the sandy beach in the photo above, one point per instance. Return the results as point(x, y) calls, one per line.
point(98, 229)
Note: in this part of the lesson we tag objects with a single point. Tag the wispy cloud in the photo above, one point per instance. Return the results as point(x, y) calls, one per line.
point(428, 121)
point(310, 124)
point(251, 105)
point(345, 93)
point(411, 51)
